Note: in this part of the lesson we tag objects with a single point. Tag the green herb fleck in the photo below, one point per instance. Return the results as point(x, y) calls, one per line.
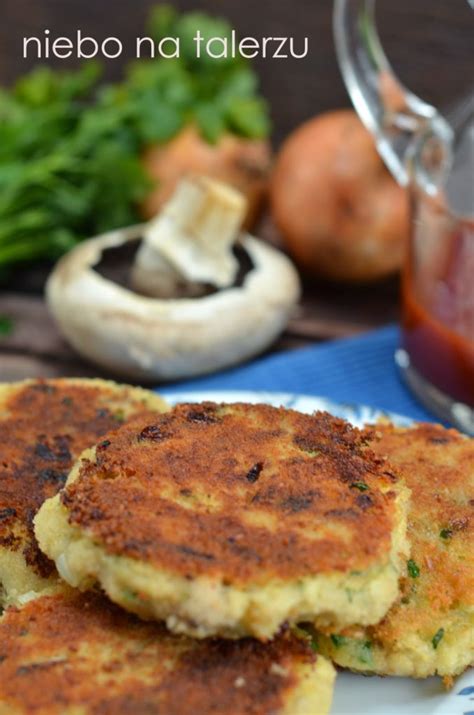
point(361, 486)
point(365, 652)
point(68, 401)
point(437, 638)
point(119, 416)
point(446, 533)
point(308, 636)
point(6, 326)
point(413, 569)
point(338, 641)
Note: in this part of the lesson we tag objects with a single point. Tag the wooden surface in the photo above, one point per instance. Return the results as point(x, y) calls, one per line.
point(36, 349)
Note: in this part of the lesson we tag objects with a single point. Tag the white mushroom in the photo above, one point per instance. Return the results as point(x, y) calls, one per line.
point(149, 338)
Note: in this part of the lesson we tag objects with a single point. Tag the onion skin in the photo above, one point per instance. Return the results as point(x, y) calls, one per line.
point(342, 215)
point(245, 164)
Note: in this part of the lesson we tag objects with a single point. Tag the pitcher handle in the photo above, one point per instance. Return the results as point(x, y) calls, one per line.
point(388, 109)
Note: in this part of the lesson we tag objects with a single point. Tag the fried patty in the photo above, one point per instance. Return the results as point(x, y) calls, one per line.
point(78, 654)
point(430, 629)
point(44, 427)
point(232, 519)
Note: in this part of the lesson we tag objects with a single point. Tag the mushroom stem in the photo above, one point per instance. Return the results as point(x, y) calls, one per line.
point(188, 246)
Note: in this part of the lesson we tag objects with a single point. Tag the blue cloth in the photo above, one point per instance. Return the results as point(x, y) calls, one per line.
point(359, 370)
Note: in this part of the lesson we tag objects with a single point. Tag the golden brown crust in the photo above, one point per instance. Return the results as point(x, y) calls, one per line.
point(438, 466)
point(243, 492)
point(44, 427)
point(430, 628)
point(79, 650)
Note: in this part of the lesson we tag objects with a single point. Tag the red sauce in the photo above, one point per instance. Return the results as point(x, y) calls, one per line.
point(438, 308)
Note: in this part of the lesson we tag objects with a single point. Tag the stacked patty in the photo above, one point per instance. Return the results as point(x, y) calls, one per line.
point(223, 527)
point(77, 654)
point(44, 426)
point(63, 652)
point(430, 629)
point(231, 520)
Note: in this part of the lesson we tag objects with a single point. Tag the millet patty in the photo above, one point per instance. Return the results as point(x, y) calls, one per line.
point(233, 519)
point(430, 629)
point(78, 654)
point(44, 427)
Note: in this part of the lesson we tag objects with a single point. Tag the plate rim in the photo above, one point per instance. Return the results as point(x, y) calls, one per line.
point(288, 400)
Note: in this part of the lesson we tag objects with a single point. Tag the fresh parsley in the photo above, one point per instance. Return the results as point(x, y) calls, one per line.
point(70, 147)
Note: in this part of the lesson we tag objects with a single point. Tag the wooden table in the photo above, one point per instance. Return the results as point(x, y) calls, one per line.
point(35, 348)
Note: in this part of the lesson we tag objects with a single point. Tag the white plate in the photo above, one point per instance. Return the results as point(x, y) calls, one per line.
point(355, 694)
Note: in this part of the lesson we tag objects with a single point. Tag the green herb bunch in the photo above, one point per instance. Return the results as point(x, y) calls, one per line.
point(70, 148)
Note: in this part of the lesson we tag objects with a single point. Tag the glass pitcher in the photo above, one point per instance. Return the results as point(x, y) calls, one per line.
point(433, 156)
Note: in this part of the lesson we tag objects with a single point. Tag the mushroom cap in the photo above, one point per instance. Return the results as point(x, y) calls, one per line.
point(146, 338)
